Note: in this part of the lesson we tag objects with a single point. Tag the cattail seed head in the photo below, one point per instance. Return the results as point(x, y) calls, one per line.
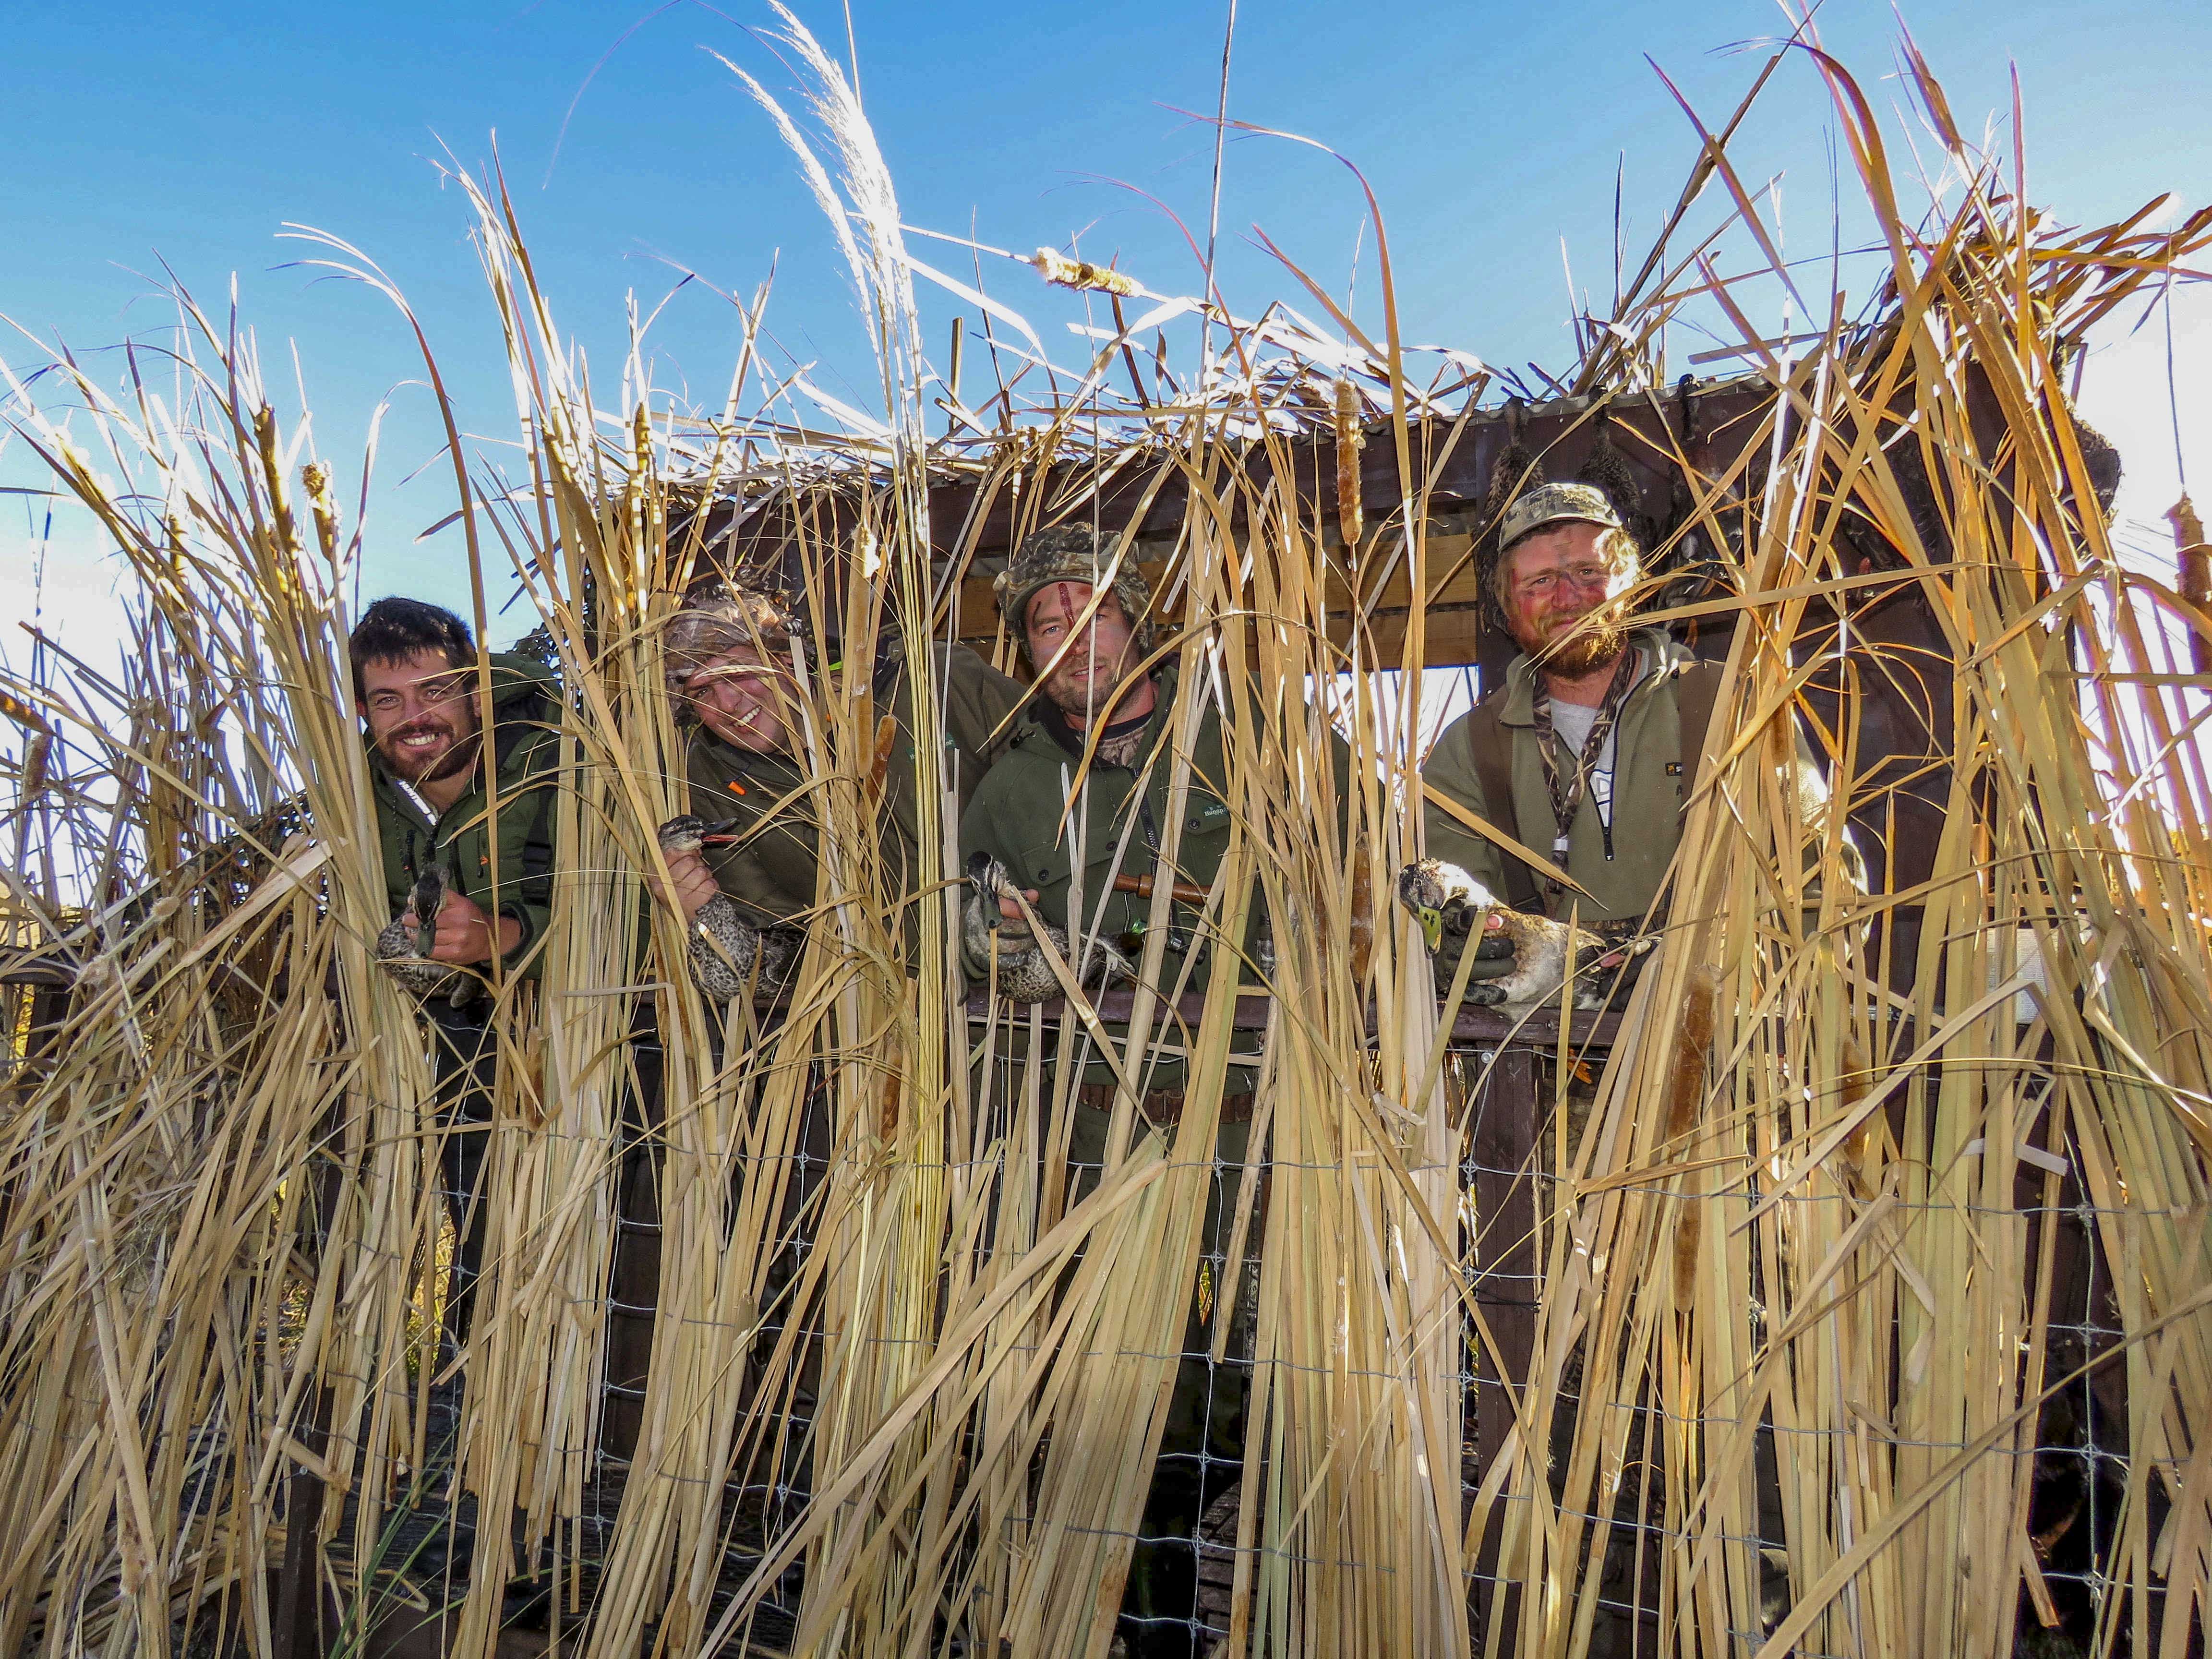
point(1056, 267)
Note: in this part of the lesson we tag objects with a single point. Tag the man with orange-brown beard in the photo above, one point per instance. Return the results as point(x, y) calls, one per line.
point(1580, 755)
point(1587, 753)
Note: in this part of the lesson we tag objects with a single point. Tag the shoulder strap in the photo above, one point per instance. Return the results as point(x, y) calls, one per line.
point(1696, 688)
point(1491, 747)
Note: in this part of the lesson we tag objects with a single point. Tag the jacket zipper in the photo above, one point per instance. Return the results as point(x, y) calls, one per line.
point(430, 847)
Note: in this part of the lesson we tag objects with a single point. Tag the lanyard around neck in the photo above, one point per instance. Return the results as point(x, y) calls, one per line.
point(1567, 788)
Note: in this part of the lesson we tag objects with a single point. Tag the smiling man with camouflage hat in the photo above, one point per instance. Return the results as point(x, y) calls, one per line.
point(745, 680)
point(731, 657)
point(1084, 623)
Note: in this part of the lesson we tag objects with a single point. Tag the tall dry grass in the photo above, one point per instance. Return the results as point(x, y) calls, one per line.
point(1796, 1319)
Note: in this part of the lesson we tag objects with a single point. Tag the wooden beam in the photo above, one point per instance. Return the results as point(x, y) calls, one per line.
point(966, 524)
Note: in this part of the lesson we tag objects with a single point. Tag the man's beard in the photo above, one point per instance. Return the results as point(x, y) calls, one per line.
point(1584, 644)
point(1082, 697)
point(456, 757)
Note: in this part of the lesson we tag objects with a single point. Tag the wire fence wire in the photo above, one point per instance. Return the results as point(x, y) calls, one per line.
point(551, 1462)
point(2081, 1459)
point(2081, 1462)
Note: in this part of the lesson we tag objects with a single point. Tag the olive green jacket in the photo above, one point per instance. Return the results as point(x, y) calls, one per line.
point(526, 750)
point(769, 869)
point(1653, 773)
point(1016, 819)
point(1649, 788)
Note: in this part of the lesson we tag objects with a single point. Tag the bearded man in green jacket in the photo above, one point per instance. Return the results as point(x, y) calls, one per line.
point(486, 830)
point(1588, 751)
point(1587, 755)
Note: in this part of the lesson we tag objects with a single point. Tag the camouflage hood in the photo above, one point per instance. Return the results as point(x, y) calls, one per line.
point(717, 618)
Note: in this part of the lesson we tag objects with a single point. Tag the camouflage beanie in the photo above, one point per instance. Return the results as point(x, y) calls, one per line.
point(718, 616)
point(1070, 553)
point(1537, 508)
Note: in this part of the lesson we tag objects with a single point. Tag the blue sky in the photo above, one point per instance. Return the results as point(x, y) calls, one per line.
point(134, 133)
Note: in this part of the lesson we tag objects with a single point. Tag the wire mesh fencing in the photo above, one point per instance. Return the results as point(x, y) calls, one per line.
point(1186, 1553)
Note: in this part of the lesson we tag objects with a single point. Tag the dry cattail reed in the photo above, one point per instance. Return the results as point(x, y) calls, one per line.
point(1841, 1222)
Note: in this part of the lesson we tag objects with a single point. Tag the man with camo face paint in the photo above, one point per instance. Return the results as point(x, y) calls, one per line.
point(1081, 614)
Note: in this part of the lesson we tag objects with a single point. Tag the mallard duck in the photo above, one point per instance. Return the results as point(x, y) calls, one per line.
point(729, 956)
point(404, 951)
point(1024, 973)
point(1442, 897)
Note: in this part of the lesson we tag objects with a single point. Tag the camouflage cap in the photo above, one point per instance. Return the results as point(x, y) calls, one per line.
point(716, 618)
point(1556, 503)
point(1070, 553)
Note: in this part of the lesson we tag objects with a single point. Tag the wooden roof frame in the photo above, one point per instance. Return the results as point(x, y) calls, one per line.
point(1708, 423)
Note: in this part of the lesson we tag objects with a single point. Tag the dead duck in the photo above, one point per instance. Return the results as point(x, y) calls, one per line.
point(1442, 897)
point(1024, 973)
point(1608, 469)
point(730, 957)
point(1516, 470)
point(404, 951)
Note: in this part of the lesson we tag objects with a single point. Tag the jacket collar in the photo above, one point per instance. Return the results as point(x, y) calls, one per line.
point(741, 760)
point(1660, 656)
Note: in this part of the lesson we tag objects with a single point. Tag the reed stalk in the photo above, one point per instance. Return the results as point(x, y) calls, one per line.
point(1854, 1212)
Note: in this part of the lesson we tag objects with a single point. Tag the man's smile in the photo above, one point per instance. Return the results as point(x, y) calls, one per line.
point(421, 740)
point(421, 750)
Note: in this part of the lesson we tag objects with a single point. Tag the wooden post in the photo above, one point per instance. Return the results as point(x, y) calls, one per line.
point(299, 1629)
